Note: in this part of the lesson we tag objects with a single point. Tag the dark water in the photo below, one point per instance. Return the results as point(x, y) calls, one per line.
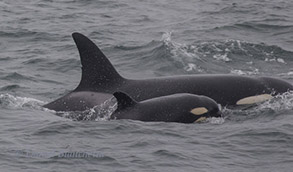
point(39, 63)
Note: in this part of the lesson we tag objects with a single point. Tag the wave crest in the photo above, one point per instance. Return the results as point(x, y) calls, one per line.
point(15, 102)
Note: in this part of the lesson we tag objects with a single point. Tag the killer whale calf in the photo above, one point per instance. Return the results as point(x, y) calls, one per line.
point(181, 107)
point(100, 80)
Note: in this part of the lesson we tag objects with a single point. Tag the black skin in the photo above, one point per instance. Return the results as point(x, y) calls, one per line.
point(100, 80)
point(172, 108)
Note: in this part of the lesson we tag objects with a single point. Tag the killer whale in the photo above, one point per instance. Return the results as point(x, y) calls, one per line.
point(181, 107)
point(100, 80)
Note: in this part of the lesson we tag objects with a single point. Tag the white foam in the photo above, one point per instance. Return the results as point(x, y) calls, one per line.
point(222, 57)
point(279, 60)
point(10, 101)
point(192, 67)
point(290, 73)
point(214, 120)
point(240, 72)
point(280, 102)
point(101, 112)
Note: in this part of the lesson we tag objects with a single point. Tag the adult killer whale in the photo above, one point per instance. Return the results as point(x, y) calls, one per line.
point(100, 80)
point(181, 107)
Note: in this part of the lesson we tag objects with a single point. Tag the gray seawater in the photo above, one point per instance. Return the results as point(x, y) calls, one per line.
point(39, 63)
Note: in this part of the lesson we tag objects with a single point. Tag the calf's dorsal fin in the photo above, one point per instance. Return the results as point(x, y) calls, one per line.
point(123, 100)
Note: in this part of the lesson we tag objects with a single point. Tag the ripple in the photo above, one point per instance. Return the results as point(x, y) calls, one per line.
point(59, 127)
point(17, 77)
point(11, 87)
point(168, 154)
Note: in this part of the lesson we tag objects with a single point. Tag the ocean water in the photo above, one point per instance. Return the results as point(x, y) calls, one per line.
point(39, 63)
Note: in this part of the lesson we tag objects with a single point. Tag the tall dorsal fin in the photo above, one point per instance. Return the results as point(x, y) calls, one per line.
point(124, 100)
point(96, 68)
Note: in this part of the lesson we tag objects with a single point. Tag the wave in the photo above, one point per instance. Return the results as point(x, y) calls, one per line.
point(58, 154)
point(10, 87)
point(278, 105)
point(167, 57)
point(28, 35)
point(261, 26)
point(101, 112)
point(17, 77)
point(15, 102)
point(98, 113)
point(267, 110)
point(228, 56)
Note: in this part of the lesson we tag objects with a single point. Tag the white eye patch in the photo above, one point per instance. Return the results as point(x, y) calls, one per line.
point(199, 111)
point(254, 99)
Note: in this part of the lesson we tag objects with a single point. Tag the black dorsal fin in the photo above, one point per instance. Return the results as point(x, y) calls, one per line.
point(96, 68)
point(124, 100)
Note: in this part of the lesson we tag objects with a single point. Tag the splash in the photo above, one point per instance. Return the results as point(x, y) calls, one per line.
point(265, 110)
point(279, 60)
point(214, 120)
point(101, 112)
point(15, 102)
point(240, 72)
point(193, 67)
point(223, 57)
point(279, 103)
